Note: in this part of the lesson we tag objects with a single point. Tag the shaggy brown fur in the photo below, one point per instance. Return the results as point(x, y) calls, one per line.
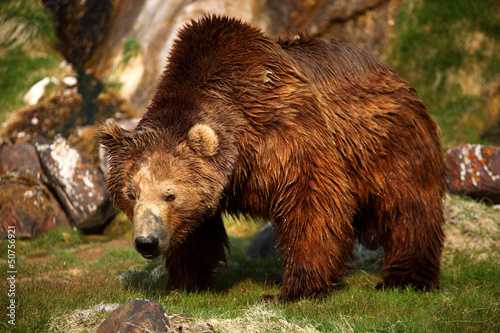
point(318, 136)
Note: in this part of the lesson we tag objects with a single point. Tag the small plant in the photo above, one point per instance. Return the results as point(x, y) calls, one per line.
point(131, 48)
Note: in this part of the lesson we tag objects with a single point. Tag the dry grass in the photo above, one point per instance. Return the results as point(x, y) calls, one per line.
point(19, 34)
point(473, 228)
point(260, 318)
point(24, 27)
point(81, 321)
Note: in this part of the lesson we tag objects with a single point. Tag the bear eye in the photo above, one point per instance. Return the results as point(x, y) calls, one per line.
point(131, 196)
point(169, 197)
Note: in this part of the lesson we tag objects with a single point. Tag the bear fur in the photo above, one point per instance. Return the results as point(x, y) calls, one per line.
point(316, 135)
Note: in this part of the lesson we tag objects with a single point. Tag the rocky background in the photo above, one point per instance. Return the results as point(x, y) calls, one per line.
point(126, 41)
point(51, 166)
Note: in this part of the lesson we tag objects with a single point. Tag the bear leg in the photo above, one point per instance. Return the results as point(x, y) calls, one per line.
point(412, 237)
point(190, 265)
point(314, 264)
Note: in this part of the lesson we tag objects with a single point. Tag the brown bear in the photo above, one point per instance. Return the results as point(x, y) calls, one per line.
point(316, 135)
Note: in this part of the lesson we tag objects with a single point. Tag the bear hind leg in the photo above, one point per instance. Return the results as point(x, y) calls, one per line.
point(412, 237)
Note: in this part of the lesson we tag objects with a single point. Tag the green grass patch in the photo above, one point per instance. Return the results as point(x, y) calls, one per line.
point(19, 72)
point(447, 51)
point(27, 52)
point(25, 26)
point(60, 237)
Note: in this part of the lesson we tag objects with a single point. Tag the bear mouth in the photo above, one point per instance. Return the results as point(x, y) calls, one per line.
point(150, 255)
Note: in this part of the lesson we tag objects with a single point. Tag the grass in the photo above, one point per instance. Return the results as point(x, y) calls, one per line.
point(92, 271)
point(25, 26)
point(27, 51)
point(448, 51)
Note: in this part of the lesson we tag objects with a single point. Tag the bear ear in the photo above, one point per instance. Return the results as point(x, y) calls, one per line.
point(113, 137)
point(203, 140)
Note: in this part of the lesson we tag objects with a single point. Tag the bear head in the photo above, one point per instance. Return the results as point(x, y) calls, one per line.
point(166, 183)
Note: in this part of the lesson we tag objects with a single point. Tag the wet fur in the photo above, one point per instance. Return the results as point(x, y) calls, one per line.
point(318, 136)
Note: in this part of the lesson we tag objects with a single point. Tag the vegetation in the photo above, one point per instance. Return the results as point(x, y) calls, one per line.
point(448, 50)
point(27, 52)
point(131, 48)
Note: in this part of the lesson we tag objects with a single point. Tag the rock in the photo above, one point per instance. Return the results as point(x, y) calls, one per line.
point(70, 81)
point(36, 92)
point(474, 171)
point(58, 114)
point(366, 23)
point(136, 316)
point(80, 26)
point(129, 124)
point(18, 155)
point(52, 116)
point(150, 26)
point(26, 203)
point(367, 259)
point(263, 246)
point(84, 140)
point(78, 184)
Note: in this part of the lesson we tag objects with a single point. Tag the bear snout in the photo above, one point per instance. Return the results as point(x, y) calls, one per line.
point(147, 246)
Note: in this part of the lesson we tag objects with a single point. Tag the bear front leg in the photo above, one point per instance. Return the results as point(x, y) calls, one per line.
point(190, 265)
point(315, 259)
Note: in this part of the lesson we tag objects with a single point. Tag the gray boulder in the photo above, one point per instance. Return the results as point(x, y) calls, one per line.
point(78, 184)
point(264, 245)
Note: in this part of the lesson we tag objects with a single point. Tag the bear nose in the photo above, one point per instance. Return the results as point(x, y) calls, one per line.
point(147, 246)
